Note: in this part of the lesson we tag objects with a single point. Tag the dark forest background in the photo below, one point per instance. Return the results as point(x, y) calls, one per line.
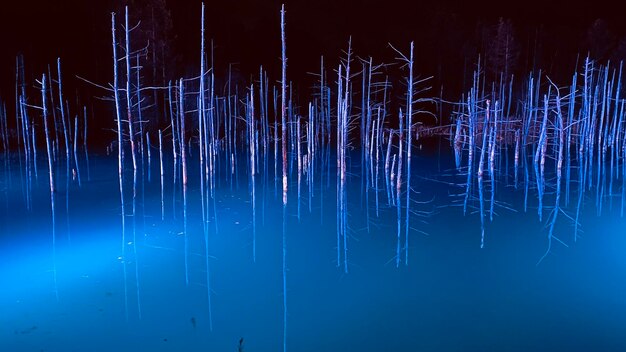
point(514, 38)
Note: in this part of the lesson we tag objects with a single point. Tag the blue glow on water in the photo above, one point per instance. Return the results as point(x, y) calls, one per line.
point(452, 296)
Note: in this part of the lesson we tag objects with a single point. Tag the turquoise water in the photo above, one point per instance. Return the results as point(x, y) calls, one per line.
point(148, 291)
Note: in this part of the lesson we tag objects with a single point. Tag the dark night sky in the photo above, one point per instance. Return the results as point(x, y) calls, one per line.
point(247, 32)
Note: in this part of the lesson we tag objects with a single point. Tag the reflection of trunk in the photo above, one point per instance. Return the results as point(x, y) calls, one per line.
point(51, 178)
point(540, 157)
point(201, 121)
point(120, 160)
point(516, 162)
point(471, 121)
point(457, 143)
point(409, 127)
point(555, 212)
point(275, 145)
point(378, 135)
point(339, 121)
point(299, 159)
point(399, 186)
point(492, 159)
point(185, 235)
point(135, 259)
point(480, 176)
point(343, 97)
point(623, 148)
point(161, 173)
point(204, 167)
point(252, 163)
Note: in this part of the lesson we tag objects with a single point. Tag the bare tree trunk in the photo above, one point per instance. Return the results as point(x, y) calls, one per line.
point(128, 102)
point(283, 106)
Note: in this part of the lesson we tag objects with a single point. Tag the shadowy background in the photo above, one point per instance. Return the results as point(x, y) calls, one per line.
point(448, 35)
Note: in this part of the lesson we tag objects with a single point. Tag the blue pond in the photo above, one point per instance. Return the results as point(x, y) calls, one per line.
point(173, 282)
